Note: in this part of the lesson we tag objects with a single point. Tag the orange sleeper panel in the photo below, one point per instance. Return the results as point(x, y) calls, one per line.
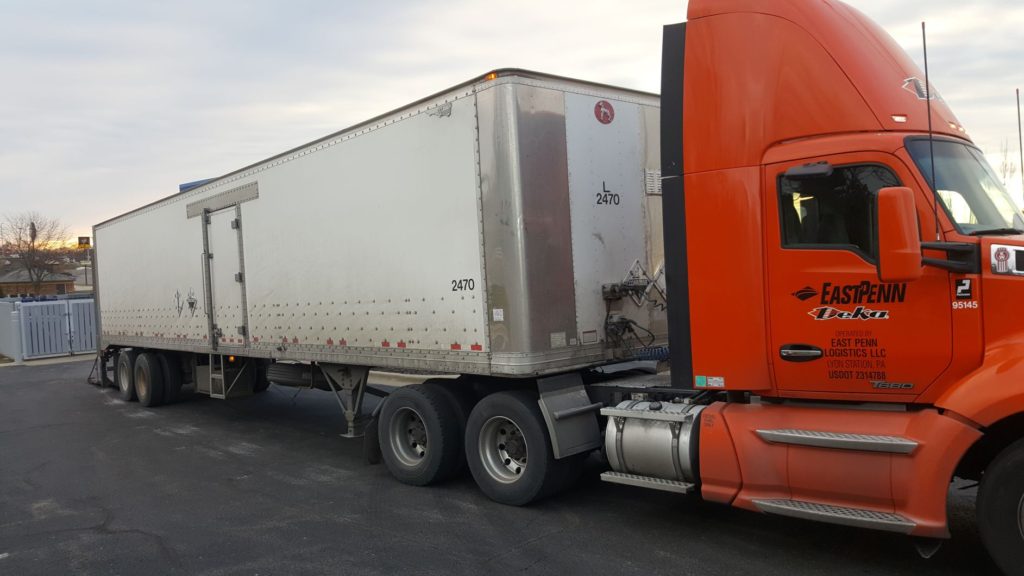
point(723, 220)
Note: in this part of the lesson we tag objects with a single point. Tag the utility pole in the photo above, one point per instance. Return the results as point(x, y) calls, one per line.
point(1020, 144)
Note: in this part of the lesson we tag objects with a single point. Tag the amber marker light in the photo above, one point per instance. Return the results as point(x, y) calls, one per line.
point(231, 358)
point(491, 76)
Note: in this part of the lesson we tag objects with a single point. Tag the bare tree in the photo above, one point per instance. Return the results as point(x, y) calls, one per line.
point(35, 242)
point(1007, 167)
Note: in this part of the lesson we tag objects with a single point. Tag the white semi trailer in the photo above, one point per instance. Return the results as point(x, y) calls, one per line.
point(507, 230)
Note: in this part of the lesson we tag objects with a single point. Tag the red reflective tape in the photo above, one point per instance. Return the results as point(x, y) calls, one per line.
point(342, 342)
point(476, 347)
point(456, 346)
point(401, 344)
point(295, 339)
point(386, 344)
point(330, 341)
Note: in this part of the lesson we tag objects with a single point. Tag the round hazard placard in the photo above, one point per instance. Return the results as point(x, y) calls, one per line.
point(604, 112)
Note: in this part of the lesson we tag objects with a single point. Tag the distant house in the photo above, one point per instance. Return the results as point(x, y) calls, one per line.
point(16, 282)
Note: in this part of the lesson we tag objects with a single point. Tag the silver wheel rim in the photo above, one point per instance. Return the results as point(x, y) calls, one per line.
point(1020, 516)
point(503, 449)
point(123, 377)
point(408, 437)
point(141, 385)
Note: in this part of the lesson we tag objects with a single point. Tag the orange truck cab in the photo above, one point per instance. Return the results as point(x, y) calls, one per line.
point(850, 269)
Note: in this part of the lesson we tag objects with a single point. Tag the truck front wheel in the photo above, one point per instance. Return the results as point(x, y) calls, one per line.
point(509, 451)
point(1001, 509)
point(419, 436)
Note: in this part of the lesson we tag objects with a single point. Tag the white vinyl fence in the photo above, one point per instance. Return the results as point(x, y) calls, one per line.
point(31, 330)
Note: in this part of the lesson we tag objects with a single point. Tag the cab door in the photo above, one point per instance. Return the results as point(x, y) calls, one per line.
point(835, 327)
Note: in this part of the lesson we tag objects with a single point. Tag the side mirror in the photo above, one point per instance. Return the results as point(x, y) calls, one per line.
point(899, 240)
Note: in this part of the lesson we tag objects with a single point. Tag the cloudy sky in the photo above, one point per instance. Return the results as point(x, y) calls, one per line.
point(107, 105)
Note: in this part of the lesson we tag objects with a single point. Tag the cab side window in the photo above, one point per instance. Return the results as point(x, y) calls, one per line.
point(835, 211)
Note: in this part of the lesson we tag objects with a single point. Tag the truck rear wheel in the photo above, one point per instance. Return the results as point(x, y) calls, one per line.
point(1001, 509)
point(419, 436)
point(508, 449)
point(126, 375)
point(149, 379)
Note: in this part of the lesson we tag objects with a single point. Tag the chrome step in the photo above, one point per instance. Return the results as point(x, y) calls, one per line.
point(837, 515)
point(840, 440)
point(648, 482)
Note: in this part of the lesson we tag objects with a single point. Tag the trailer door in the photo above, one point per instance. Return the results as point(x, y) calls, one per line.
point(224, 278)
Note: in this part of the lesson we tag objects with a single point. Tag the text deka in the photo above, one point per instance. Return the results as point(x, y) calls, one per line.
point(863, 293)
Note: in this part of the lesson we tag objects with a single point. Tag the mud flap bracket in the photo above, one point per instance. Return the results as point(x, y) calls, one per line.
point(570, 415)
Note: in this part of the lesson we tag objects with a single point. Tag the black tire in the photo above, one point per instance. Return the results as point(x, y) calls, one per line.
point(1001, 509)
point(419, 438)
point(460, 398)
point(171, 369)
point(371, 443)
point(260, 383)
point(497, 429)
point(149, 379)
point(126, 375)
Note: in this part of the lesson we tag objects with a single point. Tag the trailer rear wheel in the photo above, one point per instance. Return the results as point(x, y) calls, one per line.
point(126, 375)
point(509, 450)
point(419, 437)
point(260, 383)
point(460, 399)
point(149, 379)
point(171, 370)
point(1001, 509)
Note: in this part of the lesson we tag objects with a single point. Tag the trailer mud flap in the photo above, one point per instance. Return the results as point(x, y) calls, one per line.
point(569, 414)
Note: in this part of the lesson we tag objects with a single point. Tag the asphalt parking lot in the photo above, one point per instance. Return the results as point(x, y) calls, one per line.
point(264, 485)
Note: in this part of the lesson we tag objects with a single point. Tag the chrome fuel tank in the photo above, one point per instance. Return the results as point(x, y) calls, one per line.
point(653, 439)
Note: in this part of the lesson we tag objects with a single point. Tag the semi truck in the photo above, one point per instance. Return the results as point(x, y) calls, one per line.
point(799, 227)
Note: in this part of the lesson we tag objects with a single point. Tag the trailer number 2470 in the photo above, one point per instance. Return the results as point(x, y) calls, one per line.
point(463, 284)
point(606, 197)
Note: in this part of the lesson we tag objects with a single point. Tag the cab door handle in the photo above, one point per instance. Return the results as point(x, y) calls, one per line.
point(800, 352)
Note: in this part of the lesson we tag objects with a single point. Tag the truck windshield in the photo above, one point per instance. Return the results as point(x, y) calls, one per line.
point(970, 190)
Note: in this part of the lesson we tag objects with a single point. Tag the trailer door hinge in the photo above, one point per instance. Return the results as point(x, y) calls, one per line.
point(239, 277)
point(236, 224)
